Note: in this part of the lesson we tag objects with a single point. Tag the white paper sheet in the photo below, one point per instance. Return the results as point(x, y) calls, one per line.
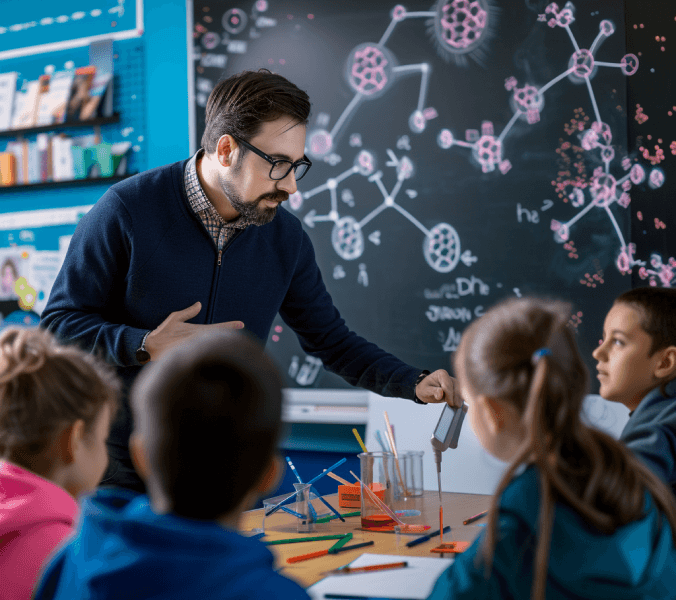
point(414, 581)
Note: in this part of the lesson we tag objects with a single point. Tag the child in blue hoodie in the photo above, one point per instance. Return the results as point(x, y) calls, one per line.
point(576, 514)
point(207, 418)
point(637, 367)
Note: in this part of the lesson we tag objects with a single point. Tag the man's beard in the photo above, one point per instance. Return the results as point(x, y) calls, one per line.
point(251, 211)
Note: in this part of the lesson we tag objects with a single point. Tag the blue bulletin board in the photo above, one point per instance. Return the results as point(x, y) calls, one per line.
point(66, 24)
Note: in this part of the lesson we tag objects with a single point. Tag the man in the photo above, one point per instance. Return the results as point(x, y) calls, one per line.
point(205, 240)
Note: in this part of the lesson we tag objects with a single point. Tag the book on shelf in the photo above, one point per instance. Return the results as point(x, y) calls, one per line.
point(97, 105)
point(52, 107)
point(62, 158)
point(79, 91)
point(44, 156)
point(7, 168)
point(7, 92)
point(25, 105)
point(17, 149)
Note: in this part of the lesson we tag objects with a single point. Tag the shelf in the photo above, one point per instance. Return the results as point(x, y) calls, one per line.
point(56, 126)
point(69, 183)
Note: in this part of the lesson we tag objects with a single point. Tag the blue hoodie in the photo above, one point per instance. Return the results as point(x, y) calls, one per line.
point(123, 550)
point(637, 562)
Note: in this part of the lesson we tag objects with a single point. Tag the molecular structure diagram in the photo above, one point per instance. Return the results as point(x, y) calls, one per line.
point(459, 28)
point(604, 188)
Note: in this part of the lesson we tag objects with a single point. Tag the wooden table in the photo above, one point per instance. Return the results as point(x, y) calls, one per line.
point(457, 508)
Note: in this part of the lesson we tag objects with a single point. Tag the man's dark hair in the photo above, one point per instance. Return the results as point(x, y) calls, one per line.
point(657, 307)
point(209, 412)
point(239, 105)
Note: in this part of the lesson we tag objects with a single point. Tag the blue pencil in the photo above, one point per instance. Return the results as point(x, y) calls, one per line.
point(288, 499)
point(380, 441)
point(293, 469)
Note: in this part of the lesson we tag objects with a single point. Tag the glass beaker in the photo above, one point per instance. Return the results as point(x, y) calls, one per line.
point(411, 464)
point(377, 473)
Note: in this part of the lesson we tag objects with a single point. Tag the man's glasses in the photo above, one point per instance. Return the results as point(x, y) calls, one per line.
point(281, 168)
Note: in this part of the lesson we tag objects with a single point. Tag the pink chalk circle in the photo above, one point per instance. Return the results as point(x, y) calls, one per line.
point(582, 63)
point(234, 20)
point(606, 27)
point(445, 139)
point(637, 174)
point(527, 99)
point(488, 152)
point(590, 140)
point(278, 328)
point(261, 5)
point(296, 200)
point(623, 262)
point(417, 121)
point(369, 69)
point(561, 234)
point(576, 197)
point(460, 26)
point(365, 162)
point(320, 143)
point(656, 178)
point(210, 40)
point(347, 238)
point(607, 154)
point(603, 130)
point(629, 64)
point(275, 338)
point(441, 248)
point(603, 188)
point(398, 12)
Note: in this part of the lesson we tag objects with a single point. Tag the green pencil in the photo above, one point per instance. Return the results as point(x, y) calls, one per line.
point(356, 513)
point(306, 539)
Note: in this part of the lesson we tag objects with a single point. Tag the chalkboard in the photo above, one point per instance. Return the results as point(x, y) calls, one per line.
point(464, 152)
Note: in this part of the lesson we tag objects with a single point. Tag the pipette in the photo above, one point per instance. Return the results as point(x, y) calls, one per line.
point(446, 435)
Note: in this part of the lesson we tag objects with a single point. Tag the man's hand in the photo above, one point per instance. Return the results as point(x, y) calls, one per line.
point(439, 387)
point(174, 330)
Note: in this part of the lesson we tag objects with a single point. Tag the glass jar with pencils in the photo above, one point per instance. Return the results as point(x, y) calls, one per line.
point(377, 493)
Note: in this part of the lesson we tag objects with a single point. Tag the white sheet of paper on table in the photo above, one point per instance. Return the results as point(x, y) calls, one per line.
point(415, 581)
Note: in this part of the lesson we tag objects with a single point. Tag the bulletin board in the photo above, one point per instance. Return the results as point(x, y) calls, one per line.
point(464, 152)
point(49, 26)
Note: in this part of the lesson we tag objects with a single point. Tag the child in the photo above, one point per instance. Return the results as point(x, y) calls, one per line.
point(207, 418)
point(576, 515)
point(55, 408)
point(637, 367)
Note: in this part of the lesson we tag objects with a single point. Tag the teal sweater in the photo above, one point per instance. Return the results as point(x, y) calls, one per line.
point(637, 562)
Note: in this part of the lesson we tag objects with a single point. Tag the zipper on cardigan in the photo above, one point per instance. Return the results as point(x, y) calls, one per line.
point(220, 255)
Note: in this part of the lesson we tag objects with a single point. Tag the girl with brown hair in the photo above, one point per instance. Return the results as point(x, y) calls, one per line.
point(56, 403)
point(576, 514)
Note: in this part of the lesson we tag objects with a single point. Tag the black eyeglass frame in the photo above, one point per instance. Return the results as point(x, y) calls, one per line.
point(274, 161)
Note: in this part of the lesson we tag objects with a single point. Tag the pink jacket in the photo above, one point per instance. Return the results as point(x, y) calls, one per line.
point(35, 516)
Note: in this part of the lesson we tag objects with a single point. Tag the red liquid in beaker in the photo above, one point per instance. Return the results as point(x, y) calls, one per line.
point(378, 522)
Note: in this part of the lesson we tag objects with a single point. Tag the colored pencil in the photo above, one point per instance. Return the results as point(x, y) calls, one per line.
point(288, 499)
point(356, 513)
point(316, 538)
point(396, 454)
point(302, 557)
point(427, 537)
point(347, 570)
point(475, 517)
point(339, 479)
point(361, 442)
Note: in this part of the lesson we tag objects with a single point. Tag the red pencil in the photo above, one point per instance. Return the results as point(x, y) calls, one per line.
point(345, 570)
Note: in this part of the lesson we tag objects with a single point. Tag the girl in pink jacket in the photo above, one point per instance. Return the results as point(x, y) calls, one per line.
point(56, 404)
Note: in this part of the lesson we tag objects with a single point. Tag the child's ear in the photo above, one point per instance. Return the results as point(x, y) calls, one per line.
point(666, 367)
point(138, 455)
point(69, 441)
point(494, 412)
point(272, 475)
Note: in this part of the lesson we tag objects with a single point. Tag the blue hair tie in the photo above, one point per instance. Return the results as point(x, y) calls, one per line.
point(539, 353)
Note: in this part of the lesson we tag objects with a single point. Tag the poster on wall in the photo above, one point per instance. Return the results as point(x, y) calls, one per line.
point(33, 246)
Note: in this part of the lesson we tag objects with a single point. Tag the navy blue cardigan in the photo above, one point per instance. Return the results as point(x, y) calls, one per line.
point(141, 253)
